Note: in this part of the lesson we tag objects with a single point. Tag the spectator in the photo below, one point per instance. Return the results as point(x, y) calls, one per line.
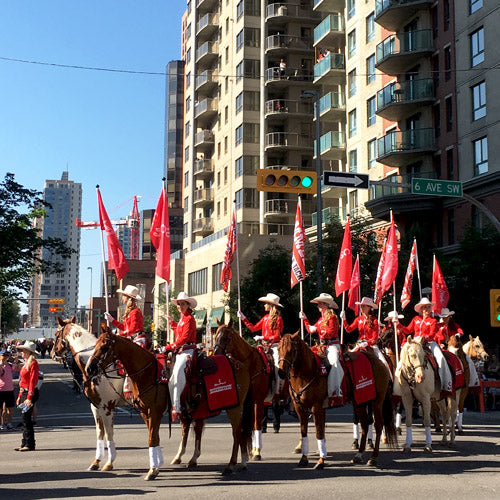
point(7, 400)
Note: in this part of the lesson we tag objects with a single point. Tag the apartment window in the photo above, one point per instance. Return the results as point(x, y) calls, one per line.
point(447, 63)
point(238, 135)
point(225, 145)
point(477, 46)
point(186, 179)
point(240, 38)
point(351, 8)
point(225, 206)
point(370, 69)
point(227, 55)
point(353, 160)
point(216, 272)
point(240, 9)
point(188, 79)
point(479, 101)
point(239, 102)
point(187, 129)
point(436, 118)
point(188, 31)
point(446, 15)
point(225, 175)
point(449, 164)
point(226, 84)
point(186, 154)
point(451, 226)
point(351, 82)
point(480, 156)
point(197, 282)
point(371, 105)
point(434, 21)
point(251, 100)
point(352, 123)
point(239, 71)
point(475, 5)
point(218, 150)
point(185, 230)
point(226, 114)
point(370, 27)
point(186, 204)
point(248, 68)
point(372, 153)
point(227, 25)
point(353, 202)
point(246, 165)
point(188, 56)
point(435, 70)
point(218, 179)
point(218, 209)
point(351, 43)
point(188, 104)
point(246, 198)
point(449, 114)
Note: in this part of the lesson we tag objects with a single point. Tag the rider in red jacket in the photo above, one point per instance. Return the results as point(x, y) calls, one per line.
point(185, 329)
point(366, 322)
point(271, 324)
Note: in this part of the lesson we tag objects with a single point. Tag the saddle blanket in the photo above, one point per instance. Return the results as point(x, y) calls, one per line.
point(457, 371)
point(265, 360)
point(161, 375)
point(361, 372)
point(321, 361)
point(221, 386)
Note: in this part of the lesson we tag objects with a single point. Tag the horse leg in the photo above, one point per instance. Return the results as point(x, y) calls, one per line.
point(379, 425)
point(304, 445)
point(185, 424)
point(319, 423)
point(408, 406)
point(107, 419)
point(362, 415)
point(234, 415)
point(155, 454)
point(436, 416)
point(460, 414)
point(99, 427)
point(453, 412)
point(258, 414)
point(198, 431)
point(426, 416)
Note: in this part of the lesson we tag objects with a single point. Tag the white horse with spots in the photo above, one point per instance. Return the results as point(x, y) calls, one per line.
point(104, 392)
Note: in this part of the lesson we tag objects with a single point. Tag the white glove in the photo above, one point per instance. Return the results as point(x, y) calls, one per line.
point(258, 337)
point(108, 317)
point(342, 314)
point(241, 316)
point(302, 315)
point(313, 329)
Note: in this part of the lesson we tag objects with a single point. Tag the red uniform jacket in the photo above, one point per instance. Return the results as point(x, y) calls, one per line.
point(330, 332)
point(445, 332)
point(133, 323)
point(271, 336)
point(365, 332)
point(185, 330)
point(28, 378)
point(427, 328)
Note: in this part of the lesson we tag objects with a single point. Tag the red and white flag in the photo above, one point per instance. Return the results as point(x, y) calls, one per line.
point(377, 295)
point(226, 272)
point(160, 237)
point(298, 254)
point(116, 257)
point(344, 267)
point(390, 270)
point(355, 288)
point(440, 294)
point(407, 287)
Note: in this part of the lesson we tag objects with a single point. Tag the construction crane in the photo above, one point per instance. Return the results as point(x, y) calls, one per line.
point(132, 221)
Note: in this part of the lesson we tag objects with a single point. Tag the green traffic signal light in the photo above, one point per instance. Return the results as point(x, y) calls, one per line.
point(307, 182)
point(286, 181)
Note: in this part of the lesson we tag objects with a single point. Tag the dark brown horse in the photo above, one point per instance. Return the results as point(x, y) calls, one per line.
point(228, 341)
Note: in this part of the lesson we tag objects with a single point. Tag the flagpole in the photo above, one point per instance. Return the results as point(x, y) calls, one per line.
point(104, 268)
point(418, 269)
point(301, 310)
point(395, 323)
point(237, 266)
point(342, 322)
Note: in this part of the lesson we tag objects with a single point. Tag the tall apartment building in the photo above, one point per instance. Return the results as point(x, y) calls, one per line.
point(65, 198)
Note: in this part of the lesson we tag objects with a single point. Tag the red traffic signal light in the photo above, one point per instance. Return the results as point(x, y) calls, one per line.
point(56, 309)
point(286, 181)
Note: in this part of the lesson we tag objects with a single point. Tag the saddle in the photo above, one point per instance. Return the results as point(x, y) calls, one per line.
point(457, 372)
point(322, 362)
point(267, 357)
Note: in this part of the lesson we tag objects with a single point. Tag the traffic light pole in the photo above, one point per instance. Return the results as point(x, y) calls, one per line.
point(319, 201)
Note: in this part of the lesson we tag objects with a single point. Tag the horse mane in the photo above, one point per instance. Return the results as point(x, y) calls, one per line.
point(130, 344)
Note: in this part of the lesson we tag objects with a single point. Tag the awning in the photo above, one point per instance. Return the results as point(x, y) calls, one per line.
point(199, 317)
point(217, 313)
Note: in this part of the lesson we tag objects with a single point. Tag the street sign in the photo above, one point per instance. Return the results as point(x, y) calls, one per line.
point(436, 187)
point(346, 179)
point(57, 301)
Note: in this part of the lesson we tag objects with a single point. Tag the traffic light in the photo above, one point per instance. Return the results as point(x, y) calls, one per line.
point(57, 301)
point(286, 181)
point(56, 309)
point(495, 307)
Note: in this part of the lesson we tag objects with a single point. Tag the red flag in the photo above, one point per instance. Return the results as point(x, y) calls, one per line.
point(377, 295)
point(116, 257)
point(226, 273)
point(354, 289)
point(412, 264)
point(390, 270)
point(298, 255)
point(440, 294)
point(344, 268)
point(160, 237)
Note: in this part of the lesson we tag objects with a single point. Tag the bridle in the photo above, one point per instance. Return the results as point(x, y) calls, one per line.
point(410, 370)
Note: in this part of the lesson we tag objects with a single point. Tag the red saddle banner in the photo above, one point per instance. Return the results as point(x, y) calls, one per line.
point(221, 386)
point(161, 376)
point(361, 372)
point(456, 369)
point(264, 358)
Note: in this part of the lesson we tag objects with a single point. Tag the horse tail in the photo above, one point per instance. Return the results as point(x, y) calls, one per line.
point(388, 418)
point(247, 422)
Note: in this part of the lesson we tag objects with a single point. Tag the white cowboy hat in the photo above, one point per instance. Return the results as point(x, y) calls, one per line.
point(423, 302)
point(325, 298)
point(28, 346)
point(183, 296)
point(445, 313)
point(271, 298)
point(366, 301)
point(390, 316)
point(130, 291)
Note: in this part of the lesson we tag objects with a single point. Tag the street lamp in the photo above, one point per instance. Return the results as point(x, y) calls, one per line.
point(90, 267)
point(309, 94)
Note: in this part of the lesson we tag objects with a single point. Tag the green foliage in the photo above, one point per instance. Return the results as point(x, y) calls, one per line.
point(21, 243)
point(11, 317)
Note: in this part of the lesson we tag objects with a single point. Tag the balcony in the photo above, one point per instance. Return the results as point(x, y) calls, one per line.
point(329, 5)
point(391, 14)
point(295, 76)
point(331, 31)
point(385, 198)
point(279, 45)
point(207, 54)
point(328, 215)
point(203, 226)
point(203, 197)
point(399, 148)
point(203, 169)
point(204, 139)
point(330, 70)
point(207, 5)
point(281, 13)
point(332, 145)
point(281, 108)
point(400, 51)
point(332, 107)
point(287, 141)
point(207, 26)
point(206, 110)
point(398, 100)
point(206, 83)
point(281, 208)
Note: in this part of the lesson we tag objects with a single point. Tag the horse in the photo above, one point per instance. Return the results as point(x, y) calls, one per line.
point(104, 392)
point(309, 390)
point(153, 398)
point(475, 350)
point(416, 379)
point(228, 341)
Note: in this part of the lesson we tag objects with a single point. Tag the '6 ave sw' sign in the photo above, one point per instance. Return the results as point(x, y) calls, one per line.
point(436, 187)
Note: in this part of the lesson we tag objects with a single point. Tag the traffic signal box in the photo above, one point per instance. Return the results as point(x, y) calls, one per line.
point(56, 309)
point(495, 307)
point(57, 301)
point(286, 181)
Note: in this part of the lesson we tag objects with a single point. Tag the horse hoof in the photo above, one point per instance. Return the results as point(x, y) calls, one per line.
point(256, 458)
point(319, 466)
point(355, 445)
point(152, 474)
point(407, 448)
point(192, 465)
point(298, 449)
point(372, 462)
point(175, 461)
point(460, 432)
point(303, 462)
point(227, 471)
point(399, 431)
point(93, 467)
point(108, 467)
point(369, 444)
point(241, 468)
point(428, 448)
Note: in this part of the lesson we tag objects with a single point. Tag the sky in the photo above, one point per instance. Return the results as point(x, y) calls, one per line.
point(104, 127)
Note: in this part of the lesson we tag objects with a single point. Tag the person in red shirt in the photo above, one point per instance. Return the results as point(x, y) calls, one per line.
point(447, 327)
point(391, 325)
point(366, 323)
point(28, 394)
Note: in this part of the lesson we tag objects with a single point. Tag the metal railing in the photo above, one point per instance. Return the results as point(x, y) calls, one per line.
point(401, 141)
point(207, 20)
point(405, 92)
point(332, 22)
point(379, 191)
point(203, 166)
point(204, 136)
point(404, 43)
point(206, 194)
point(332, 100)
point(290, 74)
point(206, 49)
point(332, 139)
point(329, 62)
point(287, 139)
point(286, 106)
point(382, 5)
point(287, 42)
point(208, 104)
point(203, 224)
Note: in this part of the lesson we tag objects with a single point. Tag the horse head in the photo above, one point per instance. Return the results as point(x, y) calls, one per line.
point(288, 350)
point(61, 346)
point(103, 355)
point(386, 338)
point(413, 358)
point(224, 338)
point(477, 349)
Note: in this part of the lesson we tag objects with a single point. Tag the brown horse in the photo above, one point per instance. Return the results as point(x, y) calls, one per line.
point(152, 398)
point(228, 341)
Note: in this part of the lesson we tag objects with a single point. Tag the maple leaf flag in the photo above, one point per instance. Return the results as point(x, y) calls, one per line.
point(355, 288)
point(410, 271)
point(160, 237)
point(440, 294)
point(344, 268)
point(298, 254)
point(231, 247)
point(116, 257)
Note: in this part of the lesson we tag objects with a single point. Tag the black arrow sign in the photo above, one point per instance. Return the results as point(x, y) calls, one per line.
point(346, 179)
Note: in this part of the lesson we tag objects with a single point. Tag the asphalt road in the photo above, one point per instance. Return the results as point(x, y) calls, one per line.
point(66, 442)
